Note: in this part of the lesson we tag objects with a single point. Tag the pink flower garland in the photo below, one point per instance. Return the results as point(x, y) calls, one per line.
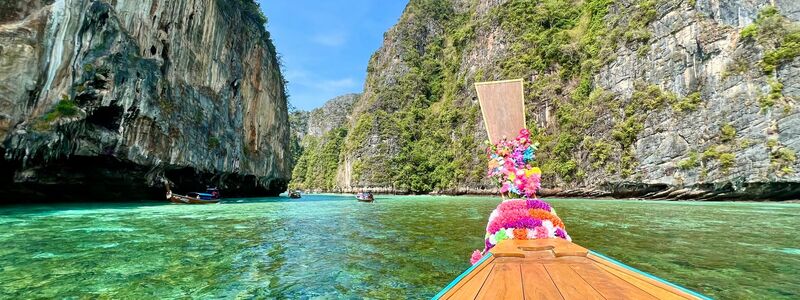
point(526, 217)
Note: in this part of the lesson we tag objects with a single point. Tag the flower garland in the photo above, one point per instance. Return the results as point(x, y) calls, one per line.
point(510, 166)
point(524, 216)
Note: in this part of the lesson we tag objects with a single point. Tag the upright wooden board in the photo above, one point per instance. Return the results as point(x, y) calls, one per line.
point(503, 107)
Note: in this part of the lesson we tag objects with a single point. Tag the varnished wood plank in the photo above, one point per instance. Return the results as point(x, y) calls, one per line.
point(518, 248)
point(608, 265)
point(508, 248)
point(473, 285)
point(547, 260)
point(560, 247)
point(570, 284)
point(487, 263)
point(533, 270)
point(648, 287)
point(503, 108)
point(537, 284)
point(504, 282)
point(608, 285)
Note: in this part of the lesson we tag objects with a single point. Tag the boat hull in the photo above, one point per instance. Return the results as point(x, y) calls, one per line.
point(556, 269)
point(365, 197)
point(179, 199)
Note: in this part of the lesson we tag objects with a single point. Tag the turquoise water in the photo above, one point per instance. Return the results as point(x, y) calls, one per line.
point(332, 247)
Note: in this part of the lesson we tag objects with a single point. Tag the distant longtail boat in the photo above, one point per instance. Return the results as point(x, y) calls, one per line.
point(211, 196)
point(365, 197)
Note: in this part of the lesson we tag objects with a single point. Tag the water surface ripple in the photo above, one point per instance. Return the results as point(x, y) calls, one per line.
point(332, 247)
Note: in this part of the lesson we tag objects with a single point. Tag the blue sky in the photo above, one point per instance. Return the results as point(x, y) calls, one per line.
point(326, 45)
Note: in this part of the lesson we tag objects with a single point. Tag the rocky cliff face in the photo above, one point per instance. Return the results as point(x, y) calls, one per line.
point(321, 139)
point(100, 99)
point(333, 114)
point(645, 98)
point(742, 138)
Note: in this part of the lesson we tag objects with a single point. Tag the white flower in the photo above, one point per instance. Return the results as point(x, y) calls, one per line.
point(492, 240)
point(548, 224)
point(531, 234)
point(551, 230)
point(510, 233)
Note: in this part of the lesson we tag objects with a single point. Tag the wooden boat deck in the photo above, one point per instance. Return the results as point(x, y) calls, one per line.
point(556, 269)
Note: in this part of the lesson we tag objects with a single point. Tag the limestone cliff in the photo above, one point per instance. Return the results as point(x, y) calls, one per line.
point(334, 113)
point(629, 98)
point(320, 139)
point(106, 99)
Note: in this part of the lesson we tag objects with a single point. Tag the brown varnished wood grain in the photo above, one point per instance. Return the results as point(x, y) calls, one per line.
point(570, 285)
point(504, 282)
point(537, 284)
point(645, 285)
point(609, 285)
point(473, 286)
point(555, 269)
point(467, 281)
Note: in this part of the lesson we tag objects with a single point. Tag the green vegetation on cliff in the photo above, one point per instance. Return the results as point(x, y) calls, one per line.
point(430, 128)
point(64, 108)
point(564, 43)
point(316, 168)
point(780, 38)
point(782, 158)
point(419, 127)
point(777, 34)
point(431, 125)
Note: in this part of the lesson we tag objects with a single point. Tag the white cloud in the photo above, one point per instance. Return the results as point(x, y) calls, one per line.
point(333, 39)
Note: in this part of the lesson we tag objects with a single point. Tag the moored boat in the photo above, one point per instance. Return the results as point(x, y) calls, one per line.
point(365, 197)
point(211, 196)
point(294, 195)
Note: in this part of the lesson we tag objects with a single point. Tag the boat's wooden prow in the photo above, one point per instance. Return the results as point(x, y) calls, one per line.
point(526, 248)
point(556, 269)
point(544, 268)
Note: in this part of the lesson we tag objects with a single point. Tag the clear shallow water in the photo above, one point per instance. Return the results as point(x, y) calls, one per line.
point(331, 247)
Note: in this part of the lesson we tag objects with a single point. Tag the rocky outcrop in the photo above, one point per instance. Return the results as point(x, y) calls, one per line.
point(631, 98)
point(334, 113)
point(108, 99)
point(320, 135)
point(699, 49)
point(307, 127)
